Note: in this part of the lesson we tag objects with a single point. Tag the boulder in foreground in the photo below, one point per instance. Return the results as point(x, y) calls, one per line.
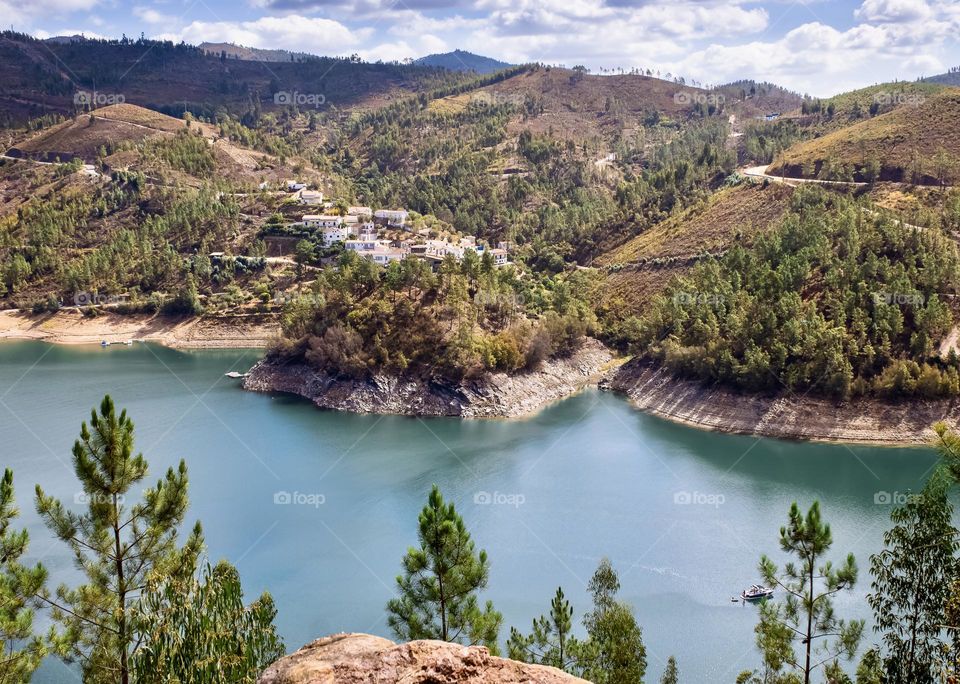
point(355, 658)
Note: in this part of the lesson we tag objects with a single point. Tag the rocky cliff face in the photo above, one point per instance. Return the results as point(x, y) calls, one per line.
point(495, 395)
point(787, 415)
point(356, 658)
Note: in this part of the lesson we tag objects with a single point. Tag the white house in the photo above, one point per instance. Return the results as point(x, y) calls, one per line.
point(499, 257)
point(392, 217)
point(441, 248)
point(335, 234)
point(384, 256)
point(322, 221)
point(359, 211)
point(367, 245)
point(311, 197)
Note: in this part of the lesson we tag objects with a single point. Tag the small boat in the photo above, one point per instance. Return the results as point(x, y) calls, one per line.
point(104, 343)
point(235, 374)
point(757, 592)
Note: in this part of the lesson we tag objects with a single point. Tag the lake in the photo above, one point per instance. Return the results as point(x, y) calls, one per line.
point(319, 507)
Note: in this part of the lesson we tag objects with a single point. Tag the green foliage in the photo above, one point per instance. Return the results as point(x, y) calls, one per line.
point(465, 320)
point(551, 642)
point(22, 650)
point(615, 653)
point(670, 673)
point(117, 547)
point(911, 584)
point(440, 582)
point(806, 616)
point(186, 151)
point(837, 300)
point(199, 631)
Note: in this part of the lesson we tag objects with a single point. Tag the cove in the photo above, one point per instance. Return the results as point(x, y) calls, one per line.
point(318, 507)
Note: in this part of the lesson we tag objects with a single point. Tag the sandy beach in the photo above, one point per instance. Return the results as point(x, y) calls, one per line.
point(69, 326)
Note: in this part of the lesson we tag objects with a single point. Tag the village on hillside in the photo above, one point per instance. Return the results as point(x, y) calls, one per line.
point(380, 235)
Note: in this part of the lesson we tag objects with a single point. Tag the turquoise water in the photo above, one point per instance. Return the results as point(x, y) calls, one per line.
point(684, 515)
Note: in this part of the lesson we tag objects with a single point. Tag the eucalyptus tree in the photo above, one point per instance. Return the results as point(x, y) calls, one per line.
point(199, 631)
point(614, 653)
point(911, 584)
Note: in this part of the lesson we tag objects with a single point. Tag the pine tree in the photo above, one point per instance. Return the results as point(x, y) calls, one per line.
point(119, 548)
point(200, 631)
point(440, 582)
point(615, 653)
point(911, 583)
point(19, 584)
point(806, 615)
point(670, 674)
point(551, 642)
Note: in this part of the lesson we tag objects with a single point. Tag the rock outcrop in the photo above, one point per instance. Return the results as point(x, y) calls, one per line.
point(356, 658)
point(786, 415)
point(494, 395)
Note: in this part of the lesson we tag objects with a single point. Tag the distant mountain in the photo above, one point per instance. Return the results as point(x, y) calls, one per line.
point(461, 60)
point(255, 54)
point(65, 40)
point(952, 77)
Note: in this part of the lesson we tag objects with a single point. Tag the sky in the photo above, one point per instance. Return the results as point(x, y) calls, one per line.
point(818, 47)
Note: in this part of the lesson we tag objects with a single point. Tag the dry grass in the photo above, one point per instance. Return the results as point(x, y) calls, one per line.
point(730, 214)
point(906, 142)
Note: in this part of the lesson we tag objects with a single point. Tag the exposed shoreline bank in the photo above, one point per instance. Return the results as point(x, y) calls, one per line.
point(496, 395)
point(71, 327)
point(655, 390)
point(649, 388)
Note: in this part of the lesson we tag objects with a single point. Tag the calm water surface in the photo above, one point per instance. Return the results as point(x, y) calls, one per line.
point(684, 515)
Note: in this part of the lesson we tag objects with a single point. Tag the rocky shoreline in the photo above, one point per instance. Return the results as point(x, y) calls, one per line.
point(655, 390)
point(496, 395)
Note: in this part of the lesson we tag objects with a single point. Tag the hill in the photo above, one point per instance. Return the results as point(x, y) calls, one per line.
point(573, 105)
point(39, 78)
point(951, 78)
point(131, 138)
point(917, 142)
point(461, 60)
point(255, 54)
point(642, 267)
point(752, 99)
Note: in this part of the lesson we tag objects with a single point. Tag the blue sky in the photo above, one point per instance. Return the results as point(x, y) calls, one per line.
point(819, 47)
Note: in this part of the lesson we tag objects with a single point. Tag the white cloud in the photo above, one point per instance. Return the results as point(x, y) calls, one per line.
point(152, 16)
point(15, 12)
point(293, 32)
point(891, 11)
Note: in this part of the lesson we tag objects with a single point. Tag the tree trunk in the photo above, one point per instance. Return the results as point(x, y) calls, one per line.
point(122, 598)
